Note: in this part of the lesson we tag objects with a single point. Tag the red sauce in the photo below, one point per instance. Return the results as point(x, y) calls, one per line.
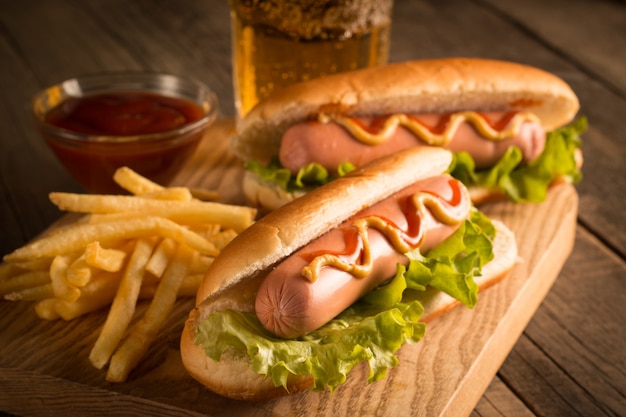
point(439, 128)
point(123, 114)
point(456, 197)
point(413, 235)
point(498, 121)
point(353, 244)
point(93, 163)
point(376, 124)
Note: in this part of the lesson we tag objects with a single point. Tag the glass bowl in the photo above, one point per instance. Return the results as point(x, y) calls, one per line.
point(149, 122)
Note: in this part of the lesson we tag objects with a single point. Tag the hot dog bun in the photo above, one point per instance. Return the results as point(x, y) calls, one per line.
point(233, 279)
point(280, 233)
point(233, 377)
point(423, 86)
point(415, 87)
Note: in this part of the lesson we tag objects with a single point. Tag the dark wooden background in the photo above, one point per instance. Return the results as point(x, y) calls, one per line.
point(571, 359)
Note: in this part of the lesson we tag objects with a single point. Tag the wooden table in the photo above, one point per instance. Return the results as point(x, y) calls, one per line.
point(570, 359)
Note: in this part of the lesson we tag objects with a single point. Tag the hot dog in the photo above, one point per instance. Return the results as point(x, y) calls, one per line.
point(405, 209)
point(291, 305)
point(480, 108)
point(335, 140)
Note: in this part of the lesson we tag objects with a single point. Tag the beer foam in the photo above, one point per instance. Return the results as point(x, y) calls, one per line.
point(308, 20)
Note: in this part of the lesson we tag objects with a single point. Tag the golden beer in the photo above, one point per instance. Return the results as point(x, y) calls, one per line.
point(280, 42)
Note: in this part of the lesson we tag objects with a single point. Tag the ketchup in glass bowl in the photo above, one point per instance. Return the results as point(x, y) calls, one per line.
point(149, 122)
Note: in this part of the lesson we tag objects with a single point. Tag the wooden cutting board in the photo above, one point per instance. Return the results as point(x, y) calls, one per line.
point(44, 366)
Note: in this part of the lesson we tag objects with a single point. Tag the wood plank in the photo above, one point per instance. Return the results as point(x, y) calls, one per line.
point(594, 41)
point(524, 32)
point(593, 46)
point(200, 46)
point(500, 401)
point(556, 365)
point(445, 375)
point(44, 42)
point(21, 146)
point(194, 40)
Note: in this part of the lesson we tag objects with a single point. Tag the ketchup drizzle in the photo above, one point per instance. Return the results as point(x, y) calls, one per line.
point(412, 207)
point(376, 124)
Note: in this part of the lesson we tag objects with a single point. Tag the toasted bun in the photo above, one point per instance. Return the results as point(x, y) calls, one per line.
point(233, 279)
point(234, 378)
point(231, 377)
point(283, 231)
point(426, 86)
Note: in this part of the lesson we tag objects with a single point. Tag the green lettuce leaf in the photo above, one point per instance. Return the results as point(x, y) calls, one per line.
point(518, 181)
point(452, 265)
point(371, 330)
point(527, 182)
point(310, 176)
point(273, 172)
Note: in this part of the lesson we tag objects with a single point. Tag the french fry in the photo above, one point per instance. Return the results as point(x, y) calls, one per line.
point(74, 239)
point(135, 183)
point(111, 218)
point(190, 285)
point(8, 271)
point(206, 230)
point(222, 238)
point(35, 293)
point(110, 260)
point(23, 280)
point(34, 265)
point(200, 263)
point(139, 185)
point(188, 288)
point(204, 195)
point(171, 193)
point(46, 309)
point(189, 212)
point(98, 293)
point(116, 250)
point(161, 257)
point(78, 272)
point(58, 277)
point(123, 306)
point(144, 331)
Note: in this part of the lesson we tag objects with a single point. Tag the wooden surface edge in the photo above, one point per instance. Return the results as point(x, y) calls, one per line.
point(522, 309)
point(39, 394)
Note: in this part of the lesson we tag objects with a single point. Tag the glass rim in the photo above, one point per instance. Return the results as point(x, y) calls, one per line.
point(139, 81)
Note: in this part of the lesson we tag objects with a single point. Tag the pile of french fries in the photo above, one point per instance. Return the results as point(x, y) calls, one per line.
point(154, 244)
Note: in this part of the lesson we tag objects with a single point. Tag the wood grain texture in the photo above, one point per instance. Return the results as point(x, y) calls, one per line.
point(558, 366)
point(601, 91)
point(445, 375)
point(559, 36)
point(500, 401)
point(571, 358)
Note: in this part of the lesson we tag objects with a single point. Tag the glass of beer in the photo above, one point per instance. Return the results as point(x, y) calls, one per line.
point(280, 42)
